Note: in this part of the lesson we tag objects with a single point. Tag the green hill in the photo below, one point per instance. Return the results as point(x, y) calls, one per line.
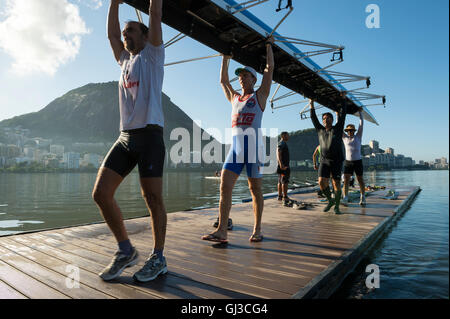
point(89, 114)
point(302, 144)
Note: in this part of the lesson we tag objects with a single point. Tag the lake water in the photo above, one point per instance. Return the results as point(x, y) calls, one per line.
point(412, 256)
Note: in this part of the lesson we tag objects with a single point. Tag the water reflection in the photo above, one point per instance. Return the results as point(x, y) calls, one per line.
point(58, 200)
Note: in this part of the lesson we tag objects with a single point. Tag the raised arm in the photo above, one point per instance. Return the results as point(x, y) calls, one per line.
point(361, 123)
point(230, 93)
point(155, 29)
point(314, 119)
point(342, 114)
point(337, 118)
point(113, 29)
point(264, 90)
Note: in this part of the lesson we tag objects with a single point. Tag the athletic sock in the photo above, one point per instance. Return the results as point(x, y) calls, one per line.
point(327, 194)
point(159, 253)
point(125, 247)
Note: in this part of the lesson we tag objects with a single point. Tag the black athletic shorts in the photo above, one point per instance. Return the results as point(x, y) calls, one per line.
point(333, 168)
point(283, 175)
point(144, 147)
point(353, 166)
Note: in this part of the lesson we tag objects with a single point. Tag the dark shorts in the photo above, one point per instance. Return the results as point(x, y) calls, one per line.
point(283, 175)
point(353, 166)
point(333, 168)
point(144, 147)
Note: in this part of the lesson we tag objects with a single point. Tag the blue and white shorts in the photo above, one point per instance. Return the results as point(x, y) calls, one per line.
point(244, 153)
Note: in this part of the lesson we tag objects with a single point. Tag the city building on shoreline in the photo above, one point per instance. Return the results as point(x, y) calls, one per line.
point(18, 148)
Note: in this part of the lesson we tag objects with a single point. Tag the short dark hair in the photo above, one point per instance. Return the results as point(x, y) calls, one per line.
point(327, 114)
point(143, 27)
point(283, 133)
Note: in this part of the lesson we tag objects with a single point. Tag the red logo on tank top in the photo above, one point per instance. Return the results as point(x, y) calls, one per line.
point(251, 103)
point(129, 85)
point(242, 119)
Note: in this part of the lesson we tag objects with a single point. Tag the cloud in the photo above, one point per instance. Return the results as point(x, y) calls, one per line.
point(93, 4)
point(40, 36)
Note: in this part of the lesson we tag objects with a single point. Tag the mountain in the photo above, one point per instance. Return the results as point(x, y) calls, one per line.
point(302, 144)
point(89, 114)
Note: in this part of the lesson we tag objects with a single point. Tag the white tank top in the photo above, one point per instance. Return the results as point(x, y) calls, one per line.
point(245, 113)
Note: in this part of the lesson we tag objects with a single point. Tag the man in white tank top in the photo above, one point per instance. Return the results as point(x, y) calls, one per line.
point(141, 58)
point(246, 117)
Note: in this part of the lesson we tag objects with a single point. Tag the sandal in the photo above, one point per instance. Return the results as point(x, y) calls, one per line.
point(256, 238)
point(214, 238)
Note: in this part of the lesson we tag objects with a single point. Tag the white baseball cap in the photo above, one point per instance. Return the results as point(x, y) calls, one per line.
point(246, 68)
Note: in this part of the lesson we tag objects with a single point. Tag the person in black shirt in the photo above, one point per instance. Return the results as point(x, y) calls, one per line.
point(331, 155)
point(283, 169)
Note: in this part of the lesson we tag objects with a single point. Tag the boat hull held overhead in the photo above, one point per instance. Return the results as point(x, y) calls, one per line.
point(223, 26)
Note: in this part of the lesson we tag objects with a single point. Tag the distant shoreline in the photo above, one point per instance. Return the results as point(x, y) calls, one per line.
point(24, 170)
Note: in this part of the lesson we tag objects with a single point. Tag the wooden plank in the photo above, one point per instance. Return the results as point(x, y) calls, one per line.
point(27, 285)
point(200, 258)
point(32, 267)
point(292, 235)
point(244, 289)
point(54, 260)
point(197, 243)
point(170, 287)
point(99, 261)
point(112, 243)
point(7, 292)
point(208, 251)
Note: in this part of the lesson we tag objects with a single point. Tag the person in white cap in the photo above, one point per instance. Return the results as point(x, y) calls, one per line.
point(353, 159)
point(246, 150)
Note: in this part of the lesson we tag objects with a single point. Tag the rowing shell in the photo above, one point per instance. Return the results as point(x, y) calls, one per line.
point(243, 35)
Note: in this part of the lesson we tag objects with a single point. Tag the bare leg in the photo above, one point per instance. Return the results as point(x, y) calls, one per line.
point(151, 188)
point(362, 186)
point(258, 202)
point(285, 189)
point(336, 185)
point(227, 181)
point(346, 183)
point(103, 195)
point(324, 183)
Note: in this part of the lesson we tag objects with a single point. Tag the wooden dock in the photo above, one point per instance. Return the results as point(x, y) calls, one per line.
point(305, 254)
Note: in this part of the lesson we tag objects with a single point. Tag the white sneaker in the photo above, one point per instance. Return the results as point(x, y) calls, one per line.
point(118, 264)
point(362, 201)
point(152, 268)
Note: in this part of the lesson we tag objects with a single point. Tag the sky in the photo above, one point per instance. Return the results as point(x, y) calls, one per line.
point(48, 47)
